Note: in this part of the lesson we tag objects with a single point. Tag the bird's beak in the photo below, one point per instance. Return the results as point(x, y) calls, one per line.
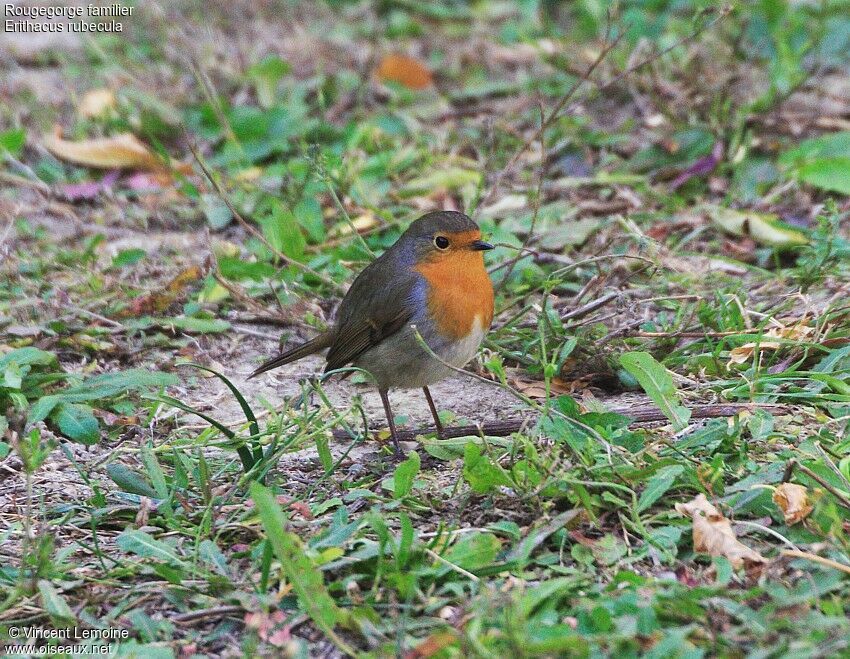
point(480, 246)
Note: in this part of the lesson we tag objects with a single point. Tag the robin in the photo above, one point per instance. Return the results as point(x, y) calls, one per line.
point(431, 281)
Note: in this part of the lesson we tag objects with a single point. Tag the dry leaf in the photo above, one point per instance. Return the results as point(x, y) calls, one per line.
point(798, 332)
point(158, 302)
point(713, 534)
point(432, 645)
point(537, 388)
point(793, 501)
point(404, 70)
point(95, 103)
point(122, 151)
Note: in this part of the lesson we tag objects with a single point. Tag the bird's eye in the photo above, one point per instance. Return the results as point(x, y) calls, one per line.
point(441, 242)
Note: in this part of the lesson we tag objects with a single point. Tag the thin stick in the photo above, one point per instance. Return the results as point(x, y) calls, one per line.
point(204, 614)
point(842, 498)
point(794, 553)
point(452, 566)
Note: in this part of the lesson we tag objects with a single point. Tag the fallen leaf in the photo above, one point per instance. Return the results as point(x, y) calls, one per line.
point(431, 645)
point(96, 103)
point(159, 301)
point(793, 501)
point(122, 151)
point(537, 388)
point(404, 70)
point(797, 332)
point(764, 228)
point(713, 534)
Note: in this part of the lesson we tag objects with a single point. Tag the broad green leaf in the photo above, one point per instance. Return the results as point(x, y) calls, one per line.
point(658, 385)
point(266, 74)
point(306, 580)
point(404, 475)
point(77, 423)
point(106, 386)
point(482, 474)
point(833, 145)
point(13, 377)
point(823, 162)
point(658, 486)
point(27, 356)
point(238, 269)
point(212, 555)
point(54, 603)
point(308, 212)
point(547, 592)
point(42, 408)
point(12, 141)
point(474, 551)
point(109, 385)
point(217, 212)
point(128, 257)
point(144, 545)
point(764, 228)
point(155, 472)
point(283, 233)
point(129, 480)
point(450, 449)
point(828, 174)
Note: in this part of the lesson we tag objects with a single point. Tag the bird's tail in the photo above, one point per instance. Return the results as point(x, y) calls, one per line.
point(312, 346)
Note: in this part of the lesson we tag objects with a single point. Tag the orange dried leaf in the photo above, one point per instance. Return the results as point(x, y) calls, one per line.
point(798, 332)
point(154, 303)
point(537, 388)
point(713, 534)
point(431, 645)
point(404, 70)
point(122, 151)
point(793, 501)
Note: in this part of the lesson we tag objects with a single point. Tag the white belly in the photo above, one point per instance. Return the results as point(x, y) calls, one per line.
point(400, 362)
point(459, 353)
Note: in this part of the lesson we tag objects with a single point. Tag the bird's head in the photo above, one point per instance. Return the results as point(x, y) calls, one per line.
point(445, 236)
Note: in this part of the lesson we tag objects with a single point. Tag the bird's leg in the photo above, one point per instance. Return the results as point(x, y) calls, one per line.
point(433, 407)
point(388, 411)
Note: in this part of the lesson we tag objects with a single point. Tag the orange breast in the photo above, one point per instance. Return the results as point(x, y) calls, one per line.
point(459, 291)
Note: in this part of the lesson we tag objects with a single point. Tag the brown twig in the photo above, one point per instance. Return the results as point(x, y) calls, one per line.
point(639, 417)
point(842, 498)
point(793, 553)
point(205, 614)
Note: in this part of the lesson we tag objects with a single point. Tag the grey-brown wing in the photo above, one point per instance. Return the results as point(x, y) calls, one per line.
point(377, 306)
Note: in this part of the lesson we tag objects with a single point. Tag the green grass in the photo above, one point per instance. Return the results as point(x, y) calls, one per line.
point(672, 320)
